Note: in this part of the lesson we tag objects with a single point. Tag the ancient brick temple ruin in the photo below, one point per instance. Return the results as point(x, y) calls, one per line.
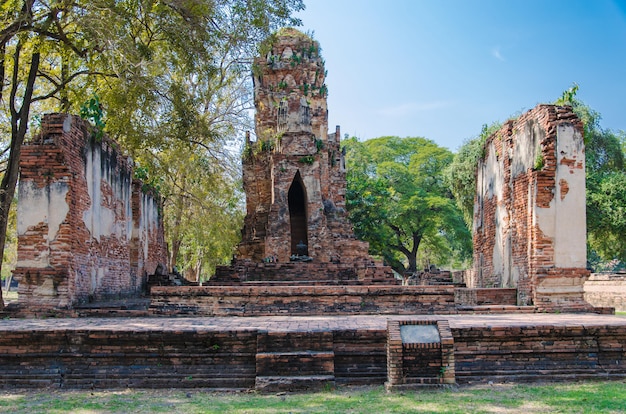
point(86, 229)
point(294, 173)
point(529, 213)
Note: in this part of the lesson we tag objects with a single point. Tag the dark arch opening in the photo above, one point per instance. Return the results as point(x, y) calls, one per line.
point(297, 214)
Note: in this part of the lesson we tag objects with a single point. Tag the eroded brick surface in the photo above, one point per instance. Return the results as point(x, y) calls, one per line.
point(529, 213)
point(86, 230)
point(294, 173)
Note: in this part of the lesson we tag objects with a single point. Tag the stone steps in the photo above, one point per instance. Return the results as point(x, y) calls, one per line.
point(294, 361)
point(302, 300)
point(487, 309)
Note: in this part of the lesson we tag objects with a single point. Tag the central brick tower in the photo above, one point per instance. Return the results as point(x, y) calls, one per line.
point(294, 173)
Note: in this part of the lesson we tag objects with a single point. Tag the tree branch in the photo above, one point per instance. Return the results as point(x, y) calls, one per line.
point(61, 85)
point(15, 80)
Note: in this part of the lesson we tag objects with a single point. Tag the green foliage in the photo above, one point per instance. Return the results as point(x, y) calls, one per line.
point(319, 144)
point(539, 161)
point(295, 60)
point(150, 182)
point(323, 90)
point(606, 214)
point(568, 97)
point(92, 112)
point(307, 159)
point(174, 84)
point(399, 203)
point(461, 174)
point(267, 145)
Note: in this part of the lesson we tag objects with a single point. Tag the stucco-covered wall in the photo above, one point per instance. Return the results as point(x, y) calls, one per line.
point(529, 212)
point(85, 230)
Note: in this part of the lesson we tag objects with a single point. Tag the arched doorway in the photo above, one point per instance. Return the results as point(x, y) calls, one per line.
point(297, 213)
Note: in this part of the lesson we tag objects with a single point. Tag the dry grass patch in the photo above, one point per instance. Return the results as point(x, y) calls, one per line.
point(584, 397)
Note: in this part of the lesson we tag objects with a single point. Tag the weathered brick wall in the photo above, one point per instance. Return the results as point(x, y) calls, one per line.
point(412, 362)
point(538, 353)
point(128, 358)
point(199, 354)
point(300, 300)
point(293, 147)
point(606, 290)
point(529, 213)
point(311, 273)
point(489, 296)
point(85, 231)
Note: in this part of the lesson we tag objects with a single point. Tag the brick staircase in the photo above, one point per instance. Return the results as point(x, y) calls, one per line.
point(294, 361)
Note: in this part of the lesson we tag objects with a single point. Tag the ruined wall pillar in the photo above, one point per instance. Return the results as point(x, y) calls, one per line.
point(529, 214)
point(85, 232)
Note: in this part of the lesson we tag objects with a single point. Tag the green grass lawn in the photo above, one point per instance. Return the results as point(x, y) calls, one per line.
point(584, 397)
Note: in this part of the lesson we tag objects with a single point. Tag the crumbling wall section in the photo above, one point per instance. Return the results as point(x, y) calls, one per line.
point(529, 214)
point(85, 230)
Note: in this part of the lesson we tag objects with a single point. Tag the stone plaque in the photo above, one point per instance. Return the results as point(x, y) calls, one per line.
point(419, 334)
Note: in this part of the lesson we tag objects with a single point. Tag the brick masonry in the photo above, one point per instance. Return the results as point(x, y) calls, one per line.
point(86, 229)
point(294, 173)
point(606, 290)
point(533, 353)
point(418, 364)
point(300, 300)
point(529, 214)
point(234, 352)
point(490, 296)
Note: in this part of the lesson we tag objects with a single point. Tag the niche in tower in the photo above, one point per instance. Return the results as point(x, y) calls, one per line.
point(297, 214)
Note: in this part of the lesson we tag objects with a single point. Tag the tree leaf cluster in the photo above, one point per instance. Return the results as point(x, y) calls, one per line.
point(460, 175)
point(398, 201)
point(171, 76)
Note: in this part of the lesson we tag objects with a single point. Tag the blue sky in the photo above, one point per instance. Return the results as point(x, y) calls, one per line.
point(441, 69)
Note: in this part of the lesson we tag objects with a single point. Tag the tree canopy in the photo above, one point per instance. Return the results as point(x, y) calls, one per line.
point(172, 76)
point(460, 174)
point(399, 203)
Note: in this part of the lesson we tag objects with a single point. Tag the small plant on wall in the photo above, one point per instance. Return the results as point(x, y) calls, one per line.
point(92, 112)
point(309, 159)
point(319, 144)
point(539, 161)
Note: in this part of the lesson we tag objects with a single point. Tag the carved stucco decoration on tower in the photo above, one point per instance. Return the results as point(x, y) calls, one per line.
point(294, 174)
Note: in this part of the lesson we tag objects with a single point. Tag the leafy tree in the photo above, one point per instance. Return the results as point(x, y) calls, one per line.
point(460, 175)
point(606, 215)
point(399, 203)
point(151, 62)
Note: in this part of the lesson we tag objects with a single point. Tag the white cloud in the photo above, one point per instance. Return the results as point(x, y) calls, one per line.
point(495, 52)
point(411, 108)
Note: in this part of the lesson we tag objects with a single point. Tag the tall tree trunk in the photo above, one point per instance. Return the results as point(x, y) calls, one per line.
point(175, 231)
point(19, 127)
